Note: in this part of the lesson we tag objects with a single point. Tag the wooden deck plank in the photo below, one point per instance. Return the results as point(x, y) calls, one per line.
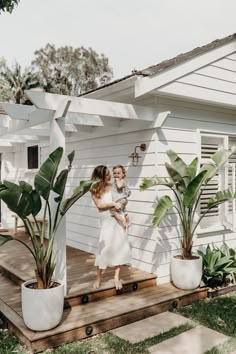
point(81, 272)
point(110, 311)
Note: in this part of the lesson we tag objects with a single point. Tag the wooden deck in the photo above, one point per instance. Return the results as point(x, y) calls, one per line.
point(87, 311)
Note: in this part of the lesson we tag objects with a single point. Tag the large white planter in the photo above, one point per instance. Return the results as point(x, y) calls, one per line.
point(186, 273)
point(42, 308)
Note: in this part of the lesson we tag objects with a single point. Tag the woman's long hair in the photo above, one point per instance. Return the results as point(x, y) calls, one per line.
point(99, 174)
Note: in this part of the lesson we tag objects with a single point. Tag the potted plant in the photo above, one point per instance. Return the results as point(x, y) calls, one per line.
point(43, 295)
point(187, 185)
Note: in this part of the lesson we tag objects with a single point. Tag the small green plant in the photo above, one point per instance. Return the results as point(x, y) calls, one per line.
point(26, 202)
point(219, 267)
point(187, 186)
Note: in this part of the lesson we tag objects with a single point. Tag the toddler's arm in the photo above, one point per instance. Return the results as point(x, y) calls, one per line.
point(103, 206)
point(127, 191)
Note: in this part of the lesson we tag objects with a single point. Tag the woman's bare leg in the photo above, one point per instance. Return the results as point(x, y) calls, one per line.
point(117, 281)
point(97, 283)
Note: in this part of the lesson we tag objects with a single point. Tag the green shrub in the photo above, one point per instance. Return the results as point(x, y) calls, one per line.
point(219, 266)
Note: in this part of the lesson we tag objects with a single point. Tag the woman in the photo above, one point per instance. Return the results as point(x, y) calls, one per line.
point(113, 248)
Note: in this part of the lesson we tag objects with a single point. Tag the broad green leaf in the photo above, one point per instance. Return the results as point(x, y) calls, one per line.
point(44, 179)
point(155, 181)
point(216, 162)
point(177, 163)
point(19, 202)
point(222, 156)
point(221, 197)
point(176, 177)
point(5, 238)
point(192, 169)
point(60, 184)
point(25, 187)
point(163, 206)
point(78, 192)
point(193, 189)
point(10, 185)
point(37, 204)
point(71, 157)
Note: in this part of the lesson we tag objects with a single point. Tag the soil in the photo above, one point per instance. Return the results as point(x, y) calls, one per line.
point(186, 259)
point(34, 285)
point(221, 290)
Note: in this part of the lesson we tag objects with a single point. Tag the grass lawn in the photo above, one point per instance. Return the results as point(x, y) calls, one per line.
point(218, 314)
point(100, 344)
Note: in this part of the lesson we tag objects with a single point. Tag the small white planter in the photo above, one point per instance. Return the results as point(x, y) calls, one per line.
point(186, 274)
point(42, 308)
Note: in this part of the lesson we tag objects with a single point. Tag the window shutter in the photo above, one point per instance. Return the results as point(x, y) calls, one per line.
point(209, 146)
point(229, 214)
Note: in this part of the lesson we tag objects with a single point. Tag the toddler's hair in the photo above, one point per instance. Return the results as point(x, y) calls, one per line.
point(122, 168)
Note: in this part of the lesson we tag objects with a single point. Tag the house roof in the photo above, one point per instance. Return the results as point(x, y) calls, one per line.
point(153, 69)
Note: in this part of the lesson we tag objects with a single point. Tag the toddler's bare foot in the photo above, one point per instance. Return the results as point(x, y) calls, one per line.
point(118, 284)
point(97, 283)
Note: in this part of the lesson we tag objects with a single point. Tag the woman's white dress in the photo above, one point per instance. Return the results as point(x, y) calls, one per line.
point(113, 247)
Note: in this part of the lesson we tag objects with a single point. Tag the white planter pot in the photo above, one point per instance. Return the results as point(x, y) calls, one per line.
point(42, 308)
point(186, 274)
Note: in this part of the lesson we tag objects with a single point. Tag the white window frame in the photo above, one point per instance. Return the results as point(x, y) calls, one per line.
point(221, 226)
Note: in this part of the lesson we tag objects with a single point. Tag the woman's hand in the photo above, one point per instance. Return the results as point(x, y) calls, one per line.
point(117, 206)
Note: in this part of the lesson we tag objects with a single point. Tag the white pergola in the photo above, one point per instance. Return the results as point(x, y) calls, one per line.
point(53, 116)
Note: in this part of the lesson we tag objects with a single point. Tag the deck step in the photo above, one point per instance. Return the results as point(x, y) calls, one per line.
point(109, 290)
point(83, 321)
point(82, 295)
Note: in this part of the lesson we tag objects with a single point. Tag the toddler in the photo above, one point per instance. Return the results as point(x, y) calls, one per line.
point(120, 193)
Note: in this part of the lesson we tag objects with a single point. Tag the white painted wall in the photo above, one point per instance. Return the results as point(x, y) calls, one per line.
point(151, 247)
point(83, 219)
point(214, 83)
point(14, 169)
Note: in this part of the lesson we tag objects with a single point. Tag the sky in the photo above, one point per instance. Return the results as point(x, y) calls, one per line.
point(133, 34)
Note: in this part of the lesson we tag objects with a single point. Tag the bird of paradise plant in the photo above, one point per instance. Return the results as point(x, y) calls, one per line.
point(26, 201)
point(187, 185)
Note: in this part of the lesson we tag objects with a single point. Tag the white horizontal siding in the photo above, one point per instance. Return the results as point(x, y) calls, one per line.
point(215, 83)
point(208, 82)
point(151, 247)
point(218, 73)
point(83, 225)
point(226, 63)
point(13, 170)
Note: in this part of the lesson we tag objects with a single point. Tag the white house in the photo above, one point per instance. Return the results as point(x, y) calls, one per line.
point(187, 104)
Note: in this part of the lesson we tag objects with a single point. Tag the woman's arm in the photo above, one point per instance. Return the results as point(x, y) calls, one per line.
point(103, 206)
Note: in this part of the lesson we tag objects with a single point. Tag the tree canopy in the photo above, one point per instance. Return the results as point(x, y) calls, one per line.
point(65, 70)
point(14, 81)
point(8, 5)
point(71, 71)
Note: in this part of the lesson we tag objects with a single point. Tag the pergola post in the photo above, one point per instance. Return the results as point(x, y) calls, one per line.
point(57, 138)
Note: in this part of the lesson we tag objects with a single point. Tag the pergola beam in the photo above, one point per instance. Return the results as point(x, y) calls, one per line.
point(92, 120)
point(89, 106)
point(17, 111)
point(35, 118)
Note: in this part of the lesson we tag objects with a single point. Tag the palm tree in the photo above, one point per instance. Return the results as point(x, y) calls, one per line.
point(15, 81)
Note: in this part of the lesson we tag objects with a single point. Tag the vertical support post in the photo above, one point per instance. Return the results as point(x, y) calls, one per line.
point(57, 138)
point(233, 201)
